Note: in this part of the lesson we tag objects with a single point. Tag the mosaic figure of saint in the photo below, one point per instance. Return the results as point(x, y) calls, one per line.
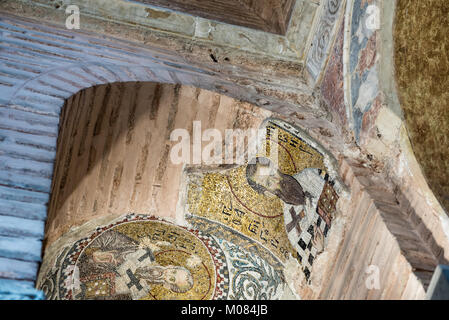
point(131, 269)
point(265, 178)
point(283, 198)
point(176, 278)
point(309, 204)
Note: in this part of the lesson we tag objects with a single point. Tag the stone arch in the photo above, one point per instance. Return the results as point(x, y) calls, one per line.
point(54, 64)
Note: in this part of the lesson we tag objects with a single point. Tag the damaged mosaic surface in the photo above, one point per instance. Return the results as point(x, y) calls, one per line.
point(242, 229)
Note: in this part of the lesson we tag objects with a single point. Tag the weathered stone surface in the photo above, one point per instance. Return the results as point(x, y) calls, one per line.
point(378, 236)
point(17, 269)
point(19, 290)
point(26, 249)
point(332, 86)
point(220, 46)
point(13, 226)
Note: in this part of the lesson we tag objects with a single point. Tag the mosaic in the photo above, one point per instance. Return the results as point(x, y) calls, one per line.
point(145, 258)
point(288, 211)
point(244, 224)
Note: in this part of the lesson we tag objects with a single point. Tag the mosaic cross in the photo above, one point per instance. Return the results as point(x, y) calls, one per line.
point(149, 255)
point(296, 218)
point(133, 280)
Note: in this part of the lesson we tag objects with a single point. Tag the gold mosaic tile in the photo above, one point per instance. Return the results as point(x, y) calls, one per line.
point(243, 231)
point(226, 197)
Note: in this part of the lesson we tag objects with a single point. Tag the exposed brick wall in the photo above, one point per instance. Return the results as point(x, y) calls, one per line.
point(114, 148)
point(41, 67)
point(378, 233)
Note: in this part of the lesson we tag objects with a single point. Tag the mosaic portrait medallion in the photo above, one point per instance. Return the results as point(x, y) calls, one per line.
point(143, 258)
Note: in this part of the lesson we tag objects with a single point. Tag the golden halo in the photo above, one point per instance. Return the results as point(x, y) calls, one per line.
point(250, 199)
